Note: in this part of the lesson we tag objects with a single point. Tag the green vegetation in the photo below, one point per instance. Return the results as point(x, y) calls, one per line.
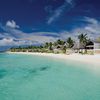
point(59, 46)
point(70, 42)
point(83, 39)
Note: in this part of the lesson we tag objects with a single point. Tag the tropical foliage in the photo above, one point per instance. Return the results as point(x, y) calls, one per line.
point(83, 40)
point(70, 42)
point(49, 47)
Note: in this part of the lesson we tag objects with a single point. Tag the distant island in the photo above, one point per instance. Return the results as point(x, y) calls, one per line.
point(84, 45)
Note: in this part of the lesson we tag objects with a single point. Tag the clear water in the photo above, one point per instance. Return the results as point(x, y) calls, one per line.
point(27, 77)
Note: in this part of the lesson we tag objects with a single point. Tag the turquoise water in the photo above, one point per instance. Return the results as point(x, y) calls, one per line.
point(27, 77)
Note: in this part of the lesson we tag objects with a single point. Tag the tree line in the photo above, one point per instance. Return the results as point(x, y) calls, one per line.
point(59, 44)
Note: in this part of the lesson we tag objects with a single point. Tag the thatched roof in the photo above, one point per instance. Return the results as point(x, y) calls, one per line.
point(76, 45)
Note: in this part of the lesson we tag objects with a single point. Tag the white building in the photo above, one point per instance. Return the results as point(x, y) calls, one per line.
point(57, 49)
point(97, 47)
point(92, 47)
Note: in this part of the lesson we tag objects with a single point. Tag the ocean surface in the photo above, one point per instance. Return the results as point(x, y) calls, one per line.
point(28, 77)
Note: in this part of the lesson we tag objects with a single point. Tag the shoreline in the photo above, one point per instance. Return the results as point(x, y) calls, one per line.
point(90, 59)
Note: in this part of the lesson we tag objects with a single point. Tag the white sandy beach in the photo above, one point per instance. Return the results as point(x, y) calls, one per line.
point(92, 59)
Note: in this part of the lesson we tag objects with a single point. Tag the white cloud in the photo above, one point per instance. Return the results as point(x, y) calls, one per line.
point(14, 36)
point(90, 20)
point(69, 1)
point(25, 38)
point(6, 42)
point(46, 33)
point(12, 24)
point(92, 29)
point(56, 13)
point(13, 42)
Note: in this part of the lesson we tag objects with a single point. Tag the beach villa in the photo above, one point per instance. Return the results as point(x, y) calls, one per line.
point(91, 48)
point(57, 49)
point(96, 47)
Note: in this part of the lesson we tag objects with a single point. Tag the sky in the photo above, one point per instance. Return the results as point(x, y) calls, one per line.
point(33, 22)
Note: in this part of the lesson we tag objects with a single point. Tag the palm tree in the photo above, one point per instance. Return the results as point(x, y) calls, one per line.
point(50, 46)
point(60, 42)
point(83, 39)
point(46, 45)
point(70, 42)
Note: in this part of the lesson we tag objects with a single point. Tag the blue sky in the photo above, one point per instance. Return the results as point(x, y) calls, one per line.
point(27, 22)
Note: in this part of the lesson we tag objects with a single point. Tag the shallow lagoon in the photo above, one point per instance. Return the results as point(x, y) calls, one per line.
point(28, 77)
